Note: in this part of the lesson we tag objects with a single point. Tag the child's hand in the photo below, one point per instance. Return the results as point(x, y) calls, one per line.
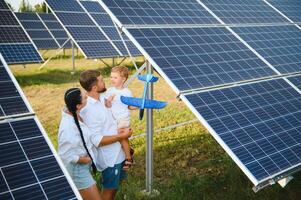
point(109, 100)
point(84, 160)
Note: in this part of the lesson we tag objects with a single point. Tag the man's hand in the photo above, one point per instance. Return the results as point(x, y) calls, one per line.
point(84, 160)
point(125, 132)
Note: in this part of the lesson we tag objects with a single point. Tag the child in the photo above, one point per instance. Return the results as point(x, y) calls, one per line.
point(121, 113)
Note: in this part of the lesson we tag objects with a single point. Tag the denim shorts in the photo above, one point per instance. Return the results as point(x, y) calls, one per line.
point(112, 176)
point(80, 174)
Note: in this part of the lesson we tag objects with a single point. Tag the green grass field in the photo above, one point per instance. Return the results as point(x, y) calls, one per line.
point(188, 162)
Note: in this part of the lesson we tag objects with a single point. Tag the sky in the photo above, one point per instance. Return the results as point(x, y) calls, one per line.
point(16, 3)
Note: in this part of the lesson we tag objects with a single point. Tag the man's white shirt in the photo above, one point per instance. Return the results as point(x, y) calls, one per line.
point(100, 121)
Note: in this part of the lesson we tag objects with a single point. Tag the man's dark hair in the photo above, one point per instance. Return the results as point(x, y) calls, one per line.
point(88, 79)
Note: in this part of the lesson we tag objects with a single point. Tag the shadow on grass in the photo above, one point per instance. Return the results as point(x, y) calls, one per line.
point(57, 76)
point(207, 174)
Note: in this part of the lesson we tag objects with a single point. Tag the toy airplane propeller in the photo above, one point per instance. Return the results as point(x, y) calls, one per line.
point(144, 102)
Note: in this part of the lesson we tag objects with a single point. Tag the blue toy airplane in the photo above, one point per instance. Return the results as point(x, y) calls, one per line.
point(143, 102)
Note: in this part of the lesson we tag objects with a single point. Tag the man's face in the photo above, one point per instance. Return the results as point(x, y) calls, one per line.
point(100, 85)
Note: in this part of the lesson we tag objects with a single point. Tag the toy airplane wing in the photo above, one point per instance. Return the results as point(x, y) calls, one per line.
point(148, 78)
point(137, 102)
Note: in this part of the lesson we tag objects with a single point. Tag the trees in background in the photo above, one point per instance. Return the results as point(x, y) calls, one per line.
point(26, 7)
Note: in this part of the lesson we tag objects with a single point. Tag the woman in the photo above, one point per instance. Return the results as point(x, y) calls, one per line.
point(74, 146)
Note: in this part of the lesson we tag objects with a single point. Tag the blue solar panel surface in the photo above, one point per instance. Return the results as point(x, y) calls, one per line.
point(37, 31)
point(200, 57)
point(11, 101)
point(260, 123)
point(296, 80)
point(244, 11)
point(279, 45)
point(29, 169)
point(290, 8)
point(107, 25)
point(29, 164)
point(55, 28)
point(87, 35)
point(15, 46)
point(159, 12)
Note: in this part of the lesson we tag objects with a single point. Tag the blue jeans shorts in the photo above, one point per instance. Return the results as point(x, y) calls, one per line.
point(112, 176)
point(80, 174)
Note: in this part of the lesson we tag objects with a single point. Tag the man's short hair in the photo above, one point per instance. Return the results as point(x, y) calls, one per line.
point(88, 79)
point(123, 71)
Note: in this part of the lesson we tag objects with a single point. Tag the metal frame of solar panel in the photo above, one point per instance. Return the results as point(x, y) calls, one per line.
point(94, 10)
point(15, 45)
point(88, 36)
point(225, 73)
point(56, 29)
point(30, 167)
point(37, 30)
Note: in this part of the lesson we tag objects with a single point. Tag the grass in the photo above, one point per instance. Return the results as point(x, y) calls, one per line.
point(188, 162)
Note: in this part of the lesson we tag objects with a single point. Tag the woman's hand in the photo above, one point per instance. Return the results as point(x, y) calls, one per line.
point(125, 132)
point(84, 160)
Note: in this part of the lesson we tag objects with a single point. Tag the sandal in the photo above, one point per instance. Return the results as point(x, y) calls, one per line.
point(127, 164)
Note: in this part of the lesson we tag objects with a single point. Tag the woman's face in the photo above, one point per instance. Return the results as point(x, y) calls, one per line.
point(83, 102)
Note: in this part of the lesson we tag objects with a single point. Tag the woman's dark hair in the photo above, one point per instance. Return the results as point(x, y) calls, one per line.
point(72, 99)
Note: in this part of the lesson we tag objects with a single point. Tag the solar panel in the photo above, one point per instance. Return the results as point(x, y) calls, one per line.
point(296, 80)
point(29, 165)
point(55, 28)
point(244, 11)
point(290, 8)
point(37, 31)
point(200, 57)
point(85, 33)
point(155, 12)
point(15, 46)
point(258, 124)
point(279, 45)
point(104, 21)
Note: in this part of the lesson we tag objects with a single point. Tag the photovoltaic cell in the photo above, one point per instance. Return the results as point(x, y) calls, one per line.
point(259, 123)
point(279, 45)
point(37, 31)
point(200, 57)
point(87, 35)
point(155, 12)
point(106, 24)
point(290, 8)
point(15, 46)
point(244, 11)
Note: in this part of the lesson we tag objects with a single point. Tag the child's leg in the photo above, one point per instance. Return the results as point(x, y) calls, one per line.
point(126, 148)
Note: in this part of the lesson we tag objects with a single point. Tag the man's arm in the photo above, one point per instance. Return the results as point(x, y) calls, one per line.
point(122, 134)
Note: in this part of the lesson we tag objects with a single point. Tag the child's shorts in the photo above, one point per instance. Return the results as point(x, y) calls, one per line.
point(112, 176)
point(80, 174)
point(124, 122)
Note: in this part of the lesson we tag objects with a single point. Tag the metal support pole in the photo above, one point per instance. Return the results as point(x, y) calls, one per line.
point(73, 58)
point(113, 62)
point(149, 137)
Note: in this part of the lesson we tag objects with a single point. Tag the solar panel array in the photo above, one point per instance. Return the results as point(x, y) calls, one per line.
point(29, 168)
point(86, 32)
point(15, 45)
point(229, 65)
point(56, 29)
point(37, 31)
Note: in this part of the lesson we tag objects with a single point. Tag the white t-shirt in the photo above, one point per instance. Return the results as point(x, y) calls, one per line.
point(100, 121)
point(70, 145)
point(119, 109)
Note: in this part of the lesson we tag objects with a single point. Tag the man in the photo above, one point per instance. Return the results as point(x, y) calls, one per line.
point(99, 119)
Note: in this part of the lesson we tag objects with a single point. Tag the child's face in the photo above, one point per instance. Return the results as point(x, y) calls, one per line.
point(116, 79)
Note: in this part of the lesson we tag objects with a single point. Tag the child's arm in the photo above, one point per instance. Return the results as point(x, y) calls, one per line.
point(132, 108)
point(109, 100)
